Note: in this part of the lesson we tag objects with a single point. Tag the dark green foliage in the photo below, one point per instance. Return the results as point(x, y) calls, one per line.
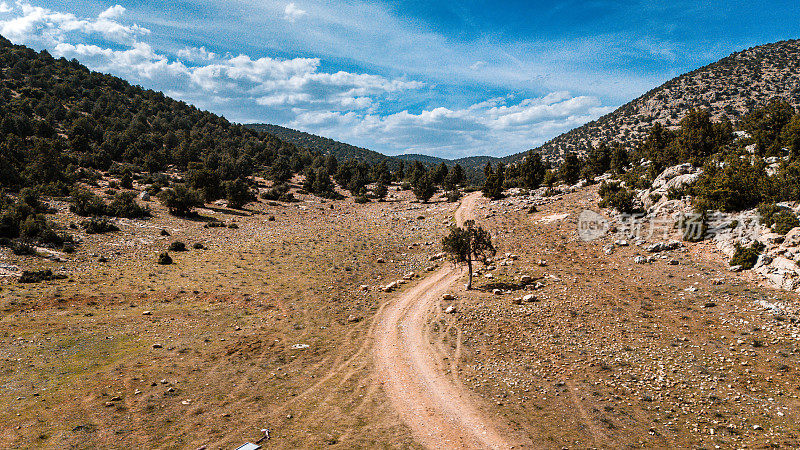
point(124, 205)
point(780, 219)
point(598, 161)
point(439, 174)
point(766, 126)
point(67, 116)
point(570, 170)
point(279, 193)
point(177, 246)
point(37, 276)
point(694, 227)
point(732, 185)
point(98, 226)
point(746, 257)
point(468, 243)
point(337, 150)
point(164, 259)
point(424, 188)
point(126, 181)
point(455, 177)
point(318, 182)
point(361, 199)
point(85, 203)
point(495, 179)
point(532, 171)
point(614, 195)
point(198, 246)
point(22, 249)
point(180, 200)
point(238, 193)
point(380, 191)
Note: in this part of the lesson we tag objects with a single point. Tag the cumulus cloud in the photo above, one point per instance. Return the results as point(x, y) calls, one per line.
point(4, 8)
point(292, 12)
point(112, 12)
point(360, 108)
point(42, 26)
point(495, 126)
point(196, 54)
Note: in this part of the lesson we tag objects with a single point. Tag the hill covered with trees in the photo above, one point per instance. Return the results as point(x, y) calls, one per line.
point(731, 87)
point(312, 142)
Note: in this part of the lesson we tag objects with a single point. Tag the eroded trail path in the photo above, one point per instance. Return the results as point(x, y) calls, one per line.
point(440, 413)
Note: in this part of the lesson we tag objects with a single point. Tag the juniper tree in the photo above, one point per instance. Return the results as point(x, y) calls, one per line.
point(468, 243)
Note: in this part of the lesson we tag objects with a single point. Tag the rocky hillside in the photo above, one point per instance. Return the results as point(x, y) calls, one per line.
point(731, 86)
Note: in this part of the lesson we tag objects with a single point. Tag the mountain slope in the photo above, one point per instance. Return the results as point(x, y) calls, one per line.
point(732, 86)
point(59, 121)
point(312, 142)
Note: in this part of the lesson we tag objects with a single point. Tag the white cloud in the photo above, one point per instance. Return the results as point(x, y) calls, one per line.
point(4, 8)
point(292, 12)
point(112, 12)
point(196, 54)
point(364, 109)
point(37, 25)
point(494, 126)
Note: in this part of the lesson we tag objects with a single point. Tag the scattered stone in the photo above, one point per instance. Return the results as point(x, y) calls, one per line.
point(450, 309)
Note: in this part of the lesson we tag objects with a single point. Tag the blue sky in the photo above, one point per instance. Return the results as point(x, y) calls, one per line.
point(449, 79)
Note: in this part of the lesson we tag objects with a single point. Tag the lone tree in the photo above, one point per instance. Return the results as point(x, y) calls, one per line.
point(468, 243)
point(180, 200)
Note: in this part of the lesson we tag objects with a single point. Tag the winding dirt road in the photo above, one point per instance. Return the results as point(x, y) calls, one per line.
point(440, 413)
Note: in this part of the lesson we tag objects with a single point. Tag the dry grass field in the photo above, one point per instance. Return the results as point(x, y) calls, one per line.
point(211, 350)
point(204, 352)
point(614, 354)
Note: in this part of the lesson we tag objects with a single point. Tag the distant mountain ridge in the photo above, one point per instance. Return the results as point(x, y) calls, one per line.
point(732, 86)
point(340, 150)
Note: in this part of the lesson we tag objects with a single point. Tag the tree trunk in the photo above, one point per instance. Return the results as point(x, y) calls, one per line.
point(469, 280)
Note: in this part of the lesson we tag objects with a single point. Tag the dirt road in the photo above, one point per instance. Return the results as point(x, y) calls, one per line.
point(440, 413)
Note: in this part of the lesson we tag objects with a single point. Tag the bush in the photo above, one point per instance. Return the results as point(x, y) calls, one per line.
point(214, 224)
point(98, 226)
point(238, 193)
point(198, 246)
point(22, 249)
point(279, 192)
point(36, 276)
point(780, 219)
point(85, 203)
point(164, 259)
point(453, 196)
point(615, 196)
point(361, 199)
point(180, 200)
point(124, 205)
point(177, 246)
point(746, 257)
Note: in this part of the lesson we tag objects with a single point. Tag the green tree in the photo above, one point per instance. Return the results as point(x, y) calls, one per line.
point(180, 200)
point(468, 243)
point(570, 170)
point(238, 193)
point(380, 190)
point(495, 179)
point(424, 188)
point(532, 170)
